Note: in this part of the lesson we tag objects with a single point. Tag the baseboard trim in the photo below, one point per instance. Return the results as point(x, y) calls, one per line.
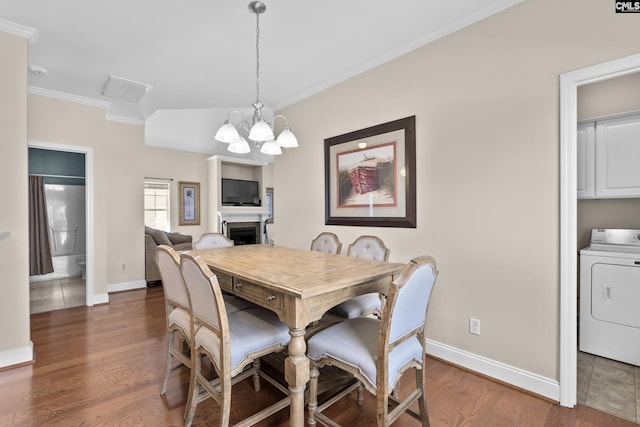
point(100, 299)
point(16, 356)
point(520, 378)
point(126, 286)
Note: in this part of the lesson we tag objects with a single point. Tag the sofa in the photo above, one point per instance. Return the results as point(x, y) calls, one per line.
point(154, 238)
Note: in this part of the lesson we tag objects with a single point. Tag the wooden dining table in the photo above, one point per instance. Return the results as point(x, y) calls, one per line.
point(299, 286)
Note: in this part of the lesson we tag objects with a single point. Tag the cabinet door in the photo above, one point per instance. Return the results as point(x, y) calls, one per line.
point(618, 157)
point(586, 147)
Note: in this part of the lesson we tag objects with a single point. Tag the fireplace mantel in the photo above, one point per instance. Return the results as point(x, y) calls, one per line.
point(237, 215)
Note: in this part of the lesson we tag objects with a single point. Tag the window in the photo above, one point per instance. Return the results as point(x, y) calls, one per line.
point(156, 204)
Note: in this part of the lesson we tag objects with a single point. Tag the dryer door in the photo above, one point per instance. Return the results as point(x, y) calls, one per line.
point(615, 294)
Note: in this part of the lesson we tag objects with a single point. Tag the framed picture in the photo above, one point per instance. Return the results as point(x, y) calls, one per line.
point(189, 203)
point(370, 177)
point(269, 204)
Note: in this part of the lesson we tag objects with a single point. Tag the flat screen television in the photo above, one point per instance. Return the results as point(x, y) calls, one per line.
point(238, 192)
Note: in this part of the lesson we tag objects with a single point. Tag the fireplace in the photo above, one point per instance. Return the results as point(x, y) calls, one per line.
point(244, 233)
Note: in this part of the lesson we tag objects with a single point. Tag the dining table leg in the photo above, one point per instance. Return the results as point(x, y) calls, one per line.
point(297, 375)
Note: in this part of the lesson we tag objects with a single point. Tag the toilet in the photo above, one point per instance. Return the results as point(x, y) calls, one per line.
point(82, 263)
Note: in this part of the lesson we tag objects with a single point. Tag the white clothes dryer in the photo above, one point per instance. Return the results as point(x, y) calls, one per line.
point(610, 295)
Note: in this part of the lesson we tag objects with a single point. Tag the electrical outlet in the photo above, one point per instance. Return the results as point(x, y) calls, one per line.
point(474, 326)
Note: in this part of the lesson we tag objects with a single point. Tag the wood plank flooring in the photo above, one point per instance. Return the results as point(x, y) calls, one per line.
point(103, 366)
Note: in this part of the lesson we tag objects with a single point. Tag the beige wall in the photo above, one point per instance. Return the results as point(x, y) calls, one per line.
point(125, 207)
point(615, 96)
point(180, 166)
point(486, 101)
point(14, 250)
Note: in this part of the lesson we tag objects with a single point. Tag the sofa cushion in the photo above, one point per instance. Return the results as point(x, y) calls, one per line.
point(177, 238)
point(159, 236)
point(183, 246)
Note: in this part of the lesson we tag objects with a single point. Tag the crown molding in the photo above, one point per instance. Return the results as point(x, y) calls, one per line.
point(124, 119)
point(33, 90)
point(31, 34)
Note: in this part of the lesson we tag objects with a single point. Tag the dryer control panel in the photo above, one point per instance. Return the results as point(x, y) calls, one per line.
point(615, 236)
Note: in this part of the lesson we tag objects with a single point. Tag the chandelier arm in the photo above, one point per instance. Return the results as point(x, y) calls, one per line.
point(282, 117)
point(241, 124)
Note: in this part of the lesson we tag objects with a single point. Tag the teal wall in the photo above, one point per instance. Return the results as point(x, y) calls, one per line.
point(53, 162)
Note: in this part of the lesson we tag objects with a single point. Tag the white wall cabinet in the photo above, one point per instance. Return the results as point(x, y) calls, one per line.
point(609, 158)
point(586, 160)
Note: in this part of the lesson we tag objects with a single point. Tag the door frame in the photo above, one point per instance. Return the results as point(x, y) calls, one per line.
point(88, 188)
point(569, 83)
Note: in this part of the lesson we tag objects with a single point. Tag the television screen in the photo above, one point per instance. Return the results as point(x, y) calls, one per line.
point(238, 192)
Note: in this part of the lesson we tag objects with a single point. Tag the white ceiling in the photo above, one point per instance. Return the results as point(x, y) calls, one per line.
point(201, 54)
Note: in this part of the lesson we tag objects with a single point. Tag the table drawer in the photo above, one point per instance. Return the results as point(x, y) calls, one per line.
point(257, 294)
point(226, 281)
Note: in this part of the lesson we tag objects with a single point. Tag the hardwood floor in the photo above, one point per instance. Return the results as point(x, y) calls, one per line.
point(103, 366)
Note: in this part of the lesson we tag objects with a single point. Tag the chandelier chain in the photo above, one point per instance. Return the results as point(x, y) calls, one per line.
point(258, 57)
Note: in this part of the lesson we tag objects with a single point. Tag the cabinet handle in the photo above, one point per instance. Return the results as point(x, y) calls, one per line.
point(271, 297)
point(238, 285)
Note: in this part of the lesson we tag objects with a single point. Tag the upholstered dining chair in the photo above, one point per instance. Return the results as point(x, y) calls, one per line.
point(178, 310)
point(327, 242)
point(370, 247)
point(212, 240)
point(230, 341)
point(378, 351)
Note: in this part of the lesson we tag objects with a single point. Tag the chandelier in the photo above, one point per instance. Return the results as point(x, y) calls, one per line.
point(260, 132)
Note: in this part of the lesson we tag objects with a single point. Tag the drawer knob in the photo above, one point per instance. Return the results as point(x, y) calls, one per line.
point(271, 297)
point(238, 285)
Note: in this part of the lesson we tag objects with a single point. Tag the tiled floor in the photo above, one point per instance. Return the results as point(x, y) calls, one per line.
point(56, 294)
point(609, 386)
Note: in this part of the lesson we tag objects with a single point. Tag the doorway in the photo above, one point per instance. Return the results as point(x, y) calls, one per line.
point(568, 212)
point(86, 235)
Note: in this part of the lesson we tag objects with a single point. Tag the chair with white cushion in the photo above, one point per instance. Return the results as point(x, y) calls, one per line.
point(212, 241)
point(231, 341)
point(378, 351)
point(178, 310)
point(326, 242)
point(370, 247)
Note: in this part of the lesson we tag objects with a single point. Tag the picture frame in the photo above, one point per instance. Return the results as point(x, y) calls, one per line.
point(269, 204)
point(189, 203)
point(370, 176)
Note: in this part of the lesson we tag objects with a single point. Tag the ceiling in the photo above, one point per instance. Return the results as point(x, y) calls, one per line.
point(201, 55)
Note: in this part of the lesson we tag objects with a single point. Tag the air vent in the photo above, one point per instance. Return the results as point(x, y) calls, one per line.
point(125, 89)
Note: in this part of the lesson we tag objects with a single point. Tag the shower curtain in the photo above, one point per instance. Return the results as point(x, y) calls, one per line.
point(40, 261)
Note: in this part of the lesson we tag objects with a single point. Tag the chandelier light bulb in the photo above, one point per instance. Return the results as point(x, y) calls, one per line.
point(287, 139)
point(271, 147)
point(261, 131)
point(239, 146)
point(227, 133)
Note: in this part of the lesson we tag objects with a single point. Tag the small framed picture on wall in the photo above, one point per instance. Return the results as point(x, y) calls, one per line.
point(269, 204)
point(189, 203)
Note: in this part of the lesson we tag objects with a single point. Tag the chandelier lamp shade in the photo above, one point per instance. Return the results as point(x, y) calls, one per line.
point(259, 132)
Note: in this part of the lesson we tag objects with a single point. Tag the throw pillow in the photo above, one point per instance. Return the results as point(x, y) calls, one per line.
point(159, 236)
